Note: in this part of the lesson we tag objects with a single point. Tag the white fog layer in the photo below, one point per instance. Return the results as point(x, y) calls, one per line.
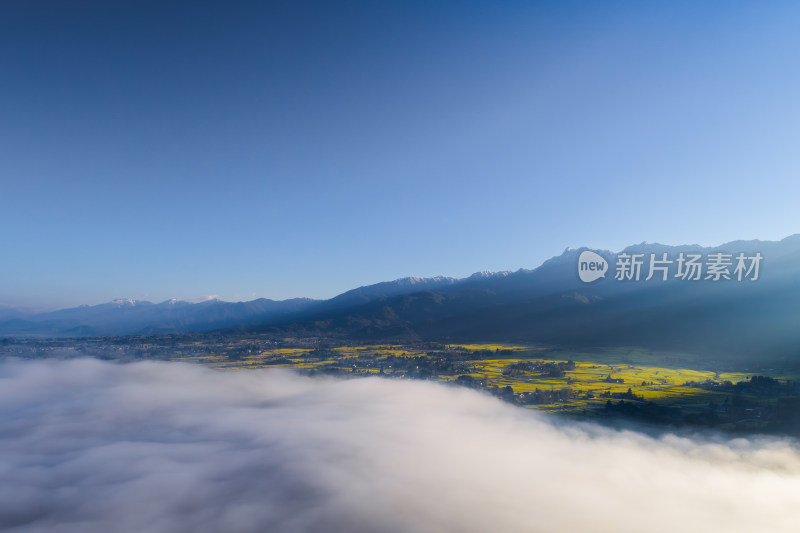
point(89, 446)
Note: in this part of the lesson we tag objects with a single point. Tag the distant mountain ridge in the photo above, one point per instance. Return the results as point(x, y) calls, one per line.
point(550, 304)
point(127, 316)
point(546, 304)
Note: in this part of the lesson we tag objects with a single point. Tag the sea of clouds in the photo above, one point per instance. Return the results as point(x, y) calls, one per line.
point(91, 446)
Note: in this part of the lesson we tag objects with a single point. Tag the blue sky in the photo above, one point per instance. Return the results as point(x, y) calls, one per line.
point(279, 149)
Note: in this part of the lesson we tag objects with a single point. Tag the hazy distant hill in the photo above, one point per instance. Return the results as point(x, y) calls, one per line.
point(129, 317)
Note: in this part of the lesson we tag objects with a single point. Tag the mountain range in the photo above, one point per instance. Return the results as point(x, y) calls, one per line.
point(548, 304)
point(136, 317)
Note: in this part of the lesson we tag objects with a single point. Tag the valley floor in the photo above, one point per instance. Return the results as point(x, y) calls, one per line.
point(666, 389)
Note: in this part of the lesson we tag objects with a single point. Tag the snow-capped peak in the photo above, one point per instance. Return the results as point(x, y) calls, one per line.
point(121, 302)
point(485, 274)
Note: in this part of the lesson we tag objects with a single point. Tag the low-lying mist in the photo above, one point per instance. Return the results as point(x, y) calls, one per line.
point(92, 446)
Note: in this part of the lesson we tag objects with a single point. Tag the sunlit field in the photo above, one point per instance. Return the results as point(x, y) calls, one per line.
point(572, 383)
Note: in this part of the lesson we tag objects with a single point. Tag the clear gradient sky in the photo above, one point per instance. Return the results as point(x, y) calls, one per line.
point(157, 149)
